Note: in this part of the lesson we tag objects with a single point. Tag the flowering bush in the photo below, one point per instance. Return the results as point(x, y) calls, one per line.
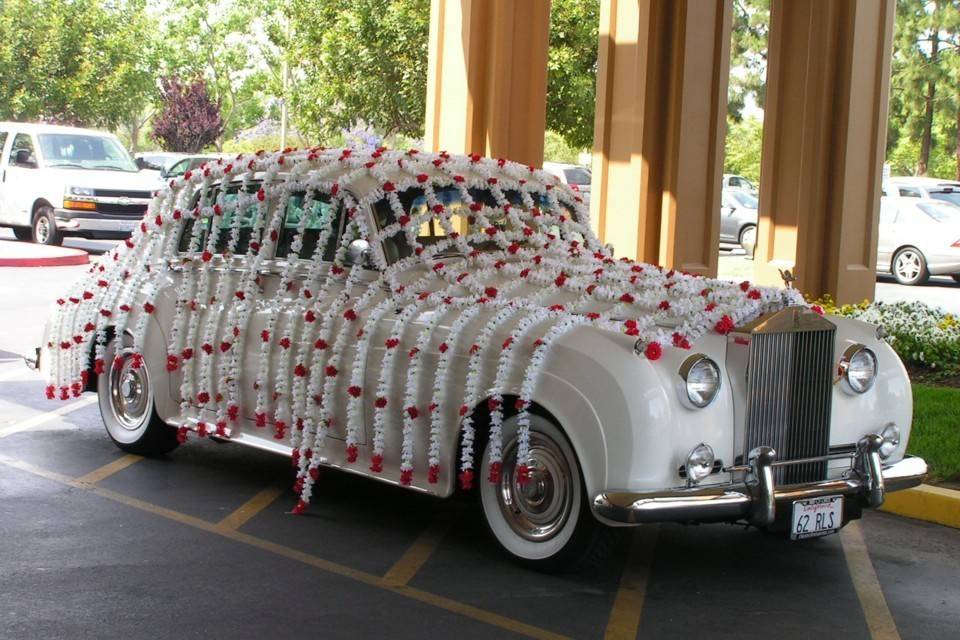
point(923, 336)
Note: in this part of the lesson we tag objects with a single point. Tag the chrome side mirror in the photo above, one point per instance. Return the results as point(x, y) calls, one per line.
point(358, 252)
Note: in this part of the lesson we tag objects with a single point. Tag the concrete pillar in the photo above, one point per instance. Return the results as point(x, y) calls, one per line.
point(659, 129)
point(487, 78)
point(823, 144)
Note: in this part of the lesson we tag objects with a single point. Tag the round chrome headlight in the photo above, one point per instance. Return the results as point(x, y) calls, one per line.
point(858, 367)
point(701, 381)
point(891, 440)
point(699, 463)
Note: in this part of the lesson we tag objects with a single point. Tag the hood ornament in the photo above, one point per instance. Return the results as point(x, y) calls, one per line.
point(788, 278)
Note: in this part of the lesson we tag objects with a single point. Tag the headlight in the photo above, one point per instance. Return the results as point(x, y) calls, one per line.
point(891, 440)
point(80, 191)
point(699, 463)
point(700, 378)
point(858, 368)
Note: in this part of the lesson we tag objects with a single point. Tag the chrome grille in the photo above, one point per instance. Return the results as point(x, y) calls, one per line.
point(788, 392)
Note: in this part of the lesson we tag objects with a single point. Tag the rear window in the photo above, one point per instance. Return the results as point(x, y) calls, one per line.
point(578, 176)
point(941, 212)
point(953, 197)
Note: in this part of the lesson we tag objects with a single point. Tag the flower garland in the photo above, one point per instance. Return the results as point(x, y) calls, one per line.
point(509, 255)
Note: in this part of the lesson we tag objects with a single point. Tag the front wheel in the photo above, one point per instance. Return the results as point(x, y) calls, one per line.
point(44, 229)
point(546, 522)
point(127, 408)
point(748, 239)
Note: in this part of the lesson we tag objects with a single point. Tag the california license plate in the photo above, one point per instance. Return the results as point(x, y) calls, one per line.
point(816, 517)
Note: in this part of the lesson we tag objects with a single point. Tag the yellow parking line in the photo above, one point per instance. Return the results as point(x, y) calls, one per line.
point(344, 571)
point(44, 418)
point(879, 620)
point(251, 507)
point(107, 470)
point(627, 609)
point(420, 551)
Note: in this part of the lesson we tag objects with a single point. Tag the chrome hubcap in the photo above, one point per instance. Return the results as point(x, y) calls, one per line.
point(128, 392)
point(908, 265)
point(537, 509)
point(43, 229)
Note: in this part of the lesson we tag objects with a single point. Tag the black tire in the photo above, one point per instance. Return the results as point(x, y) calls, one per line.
point(23, 233)
point(126, 405)
point(909, 266)
point(44, 229)
point(956, 277)
point(749, 231)
point(574, 539)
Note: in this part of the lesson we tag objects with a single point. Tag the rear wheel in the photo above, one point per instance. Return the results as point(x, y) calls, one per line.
point(44, 230)
point(545, 523)
point(22, 233)
point(910, 267)
point(127, 407)
point(748, 239)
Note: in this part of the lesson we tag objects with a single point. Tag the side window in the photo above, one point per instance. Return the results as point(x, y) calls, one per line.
point(320, 213)
point(910, 192)
point(21, 153)
point(179, 169)
point(227, 221)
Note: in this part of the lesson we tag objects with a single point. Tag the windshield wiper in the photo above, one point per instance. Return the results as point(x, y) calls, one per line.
point(110, 167)
point(66, 164)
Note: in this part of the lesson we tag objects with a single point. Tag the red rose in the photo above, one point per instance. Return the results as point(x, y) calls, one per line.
point(653, 351)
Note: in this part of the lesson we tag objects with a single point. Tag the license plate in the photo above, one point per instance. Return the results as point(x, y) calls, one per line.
point(816, 517)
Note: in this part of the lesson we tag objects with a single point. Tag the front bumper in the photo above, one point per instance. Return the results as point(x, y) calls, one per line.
point(756, 498)
point(95, 222)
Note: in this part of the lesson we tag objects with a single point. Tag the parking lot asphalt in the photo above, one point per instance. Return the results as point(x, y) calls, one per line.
point(101, 544)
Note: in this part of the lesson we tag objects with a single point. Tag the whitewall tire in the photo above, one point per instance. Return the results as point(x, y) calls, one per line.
point(545, 523)
point(125, 394)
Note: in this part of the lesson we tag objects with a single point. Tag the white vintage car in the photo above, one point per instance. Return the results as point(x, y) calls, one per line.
point(450, 323)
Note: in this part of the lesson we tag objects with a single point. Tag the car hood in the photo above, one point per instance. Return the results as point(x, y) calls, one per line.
point(104, 179)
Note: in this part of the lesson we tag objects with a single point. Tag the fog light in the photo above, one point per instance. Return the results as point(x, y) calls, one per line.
point(699, 463)
point(891, 440)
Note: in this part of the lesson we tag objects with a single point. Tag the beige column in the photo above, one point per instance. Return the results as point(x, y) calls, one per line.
point(487, 78)
point(659, 129)
point(823, 142)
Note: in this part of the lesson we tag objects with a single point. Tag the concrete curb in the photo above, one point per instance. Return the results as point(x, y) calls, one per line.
point(23, 254)
point(926, 502)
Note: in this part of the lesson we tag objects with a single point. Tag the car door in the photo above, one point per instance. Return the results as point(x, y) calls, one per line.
point(728, 220)
point(886, 236)
point(20, 177)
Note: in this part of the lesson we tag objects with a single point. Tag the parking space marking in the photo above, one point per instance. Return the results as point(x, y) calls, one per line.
point(416, 556)
point(879, 619)
point(251, 507)
point(107, 470)
point(433, 599)
point(627, 609)
point(43, 418)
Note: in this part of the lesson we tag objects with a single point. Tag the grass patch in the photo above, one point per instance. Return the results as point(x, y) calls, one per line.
point(936, 430)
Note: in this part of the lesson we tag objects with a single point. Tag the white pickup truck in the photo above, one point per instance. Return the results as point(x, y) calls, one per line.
point(57, 181)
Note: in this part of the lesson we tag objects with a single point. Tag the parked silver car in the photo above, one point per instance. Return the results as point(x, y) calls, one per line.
point(919, 237)
point(738, 219)
point(578, 177)
point(917, 187)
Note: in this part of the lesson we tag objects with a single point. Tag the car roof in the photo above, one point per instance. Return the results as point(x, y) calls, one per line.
point(924, 181)
point(40, 127)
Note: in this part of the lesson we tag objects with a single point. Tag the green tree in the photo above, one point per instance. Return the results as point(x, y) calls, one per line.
point(572, 69)
point(74, 61)
point(744, 141)
point(359, 60)
point(235, 46)
point(748, 55)
point(925, 78)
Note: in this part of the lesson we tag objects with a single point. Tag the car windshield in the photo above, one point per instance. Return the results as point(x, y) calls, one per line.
point(941, 212)
point(744, 199)
point(577, 175)
point(84, 151)
point(431, 231)
point(953, 197)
